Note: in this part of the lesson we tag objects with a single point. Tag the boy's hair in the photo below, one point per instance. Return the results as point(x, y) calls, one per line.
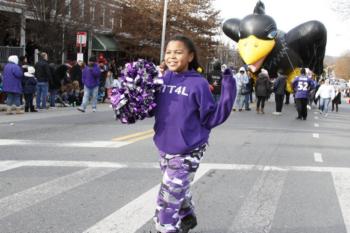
point(194, 64)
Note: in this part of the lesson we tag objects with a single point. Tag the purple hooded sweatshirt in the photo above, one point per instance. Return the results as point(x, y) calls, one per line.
point(91, 76)
point(186, 111)
point(12, 76)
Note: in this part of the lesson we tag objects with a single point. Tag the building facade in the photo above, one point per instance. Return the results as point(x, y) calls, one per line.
point(53, 24)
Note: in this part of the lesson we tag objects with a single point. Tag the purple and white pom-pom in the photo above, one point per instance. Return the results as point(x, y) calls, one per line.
point(135, 99)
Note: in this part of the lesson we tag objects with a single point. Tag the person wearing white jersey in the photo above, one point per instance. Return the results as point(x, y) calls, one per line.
point(326, 93)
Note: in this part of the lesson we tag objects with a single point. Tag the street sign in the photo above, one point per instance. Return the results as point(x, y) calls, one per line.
point(81, 39)
point(80, 56)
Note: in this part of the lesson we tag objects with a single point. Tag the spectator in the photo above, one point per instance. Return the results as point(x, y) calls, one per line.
point(279, 88)
point(12, 84)
point(241, 81)
point(29, 86)
point(74, 94)
point(337, 99)
point(262, 86)
point(43, 74)
point(91, 76)
point(302, 86)
point(59, 75)
point(326, 93)
point(109, 85)
point(76, 72)
point(214, 79)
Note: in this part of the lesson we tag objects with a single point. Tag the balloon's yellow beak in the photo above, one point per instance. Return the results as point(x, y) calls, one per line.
point(252, 49)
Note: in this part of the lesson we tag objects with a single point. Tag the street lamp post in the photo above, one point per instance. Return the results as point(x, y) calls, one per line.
point(163, 30)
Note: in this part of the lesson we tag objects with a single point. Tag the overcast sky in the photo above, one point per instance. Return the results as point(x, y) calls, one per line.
point(290, 13)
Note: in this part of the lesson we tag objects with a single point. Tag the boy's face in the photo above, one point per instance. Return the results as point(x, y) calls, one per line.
point(177, 57)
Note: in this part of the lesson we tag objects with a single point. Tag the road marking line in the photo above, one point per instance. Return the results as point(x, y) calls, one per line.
point(10, 165)
point(210, 166)
point(315, 135)
point(342, 187)
point(316, 117)
point(140, 138)
point(88, 144)
point(135, 214)
point(258, 209)
point(122, 138)
point(29, 197)
point(316, 125)
point(318, 157)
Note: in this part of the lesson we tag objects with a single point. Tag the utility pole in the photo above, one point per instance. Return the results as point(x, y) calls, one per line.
point(163, 30)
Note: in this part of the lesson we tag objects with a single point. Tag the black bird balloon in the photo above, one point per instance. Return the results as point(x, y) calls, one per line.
point(262, 45)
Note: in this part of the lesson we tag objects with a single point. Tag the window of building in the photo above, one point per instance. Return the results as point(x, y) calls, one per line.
point(68, 6)
point(82, 7)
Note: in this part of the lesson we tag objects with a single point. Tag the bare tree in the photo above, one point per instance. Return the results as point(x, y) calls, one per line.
point(142, 24)
point(342, 66)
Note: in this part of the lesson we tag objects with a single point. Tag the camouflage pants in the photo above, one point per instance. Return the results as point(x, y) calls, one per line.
point(174, 200)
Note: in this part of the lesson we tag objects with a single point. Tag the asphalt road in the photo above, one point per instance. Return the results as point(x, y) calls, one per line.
point(66, 171)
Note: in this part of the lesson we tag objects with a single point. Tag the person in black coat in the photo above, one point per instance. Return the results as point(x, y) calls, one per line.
point(60, 75)
point(262, 86)
point(29, 88)
point(337, 100)
point(214, 79)
point(279, 87)
point(44, 76)
point(76, 72)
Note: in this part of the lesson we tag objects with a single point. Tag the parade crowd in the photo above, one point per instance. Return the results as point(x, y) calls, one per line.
point(47, 85)
point(306, 90)
point(75, 84)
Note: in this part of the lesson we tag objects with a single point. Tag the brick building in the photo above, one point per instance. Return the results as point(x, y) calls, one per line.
point(52, 26)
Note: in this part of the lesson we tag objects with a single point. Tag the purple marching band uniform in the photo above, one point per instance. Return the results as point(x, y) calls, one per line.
point(185, 114)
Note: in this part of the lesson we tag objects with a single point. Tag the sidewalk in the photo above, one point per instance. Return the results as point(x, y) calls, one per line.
point(51, 112)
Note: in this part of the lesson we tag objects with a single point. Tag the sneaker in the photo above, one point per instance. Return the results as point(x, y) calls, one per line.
point(277, 113)
point(308, 107)
point(187, 223)
point(80, 109)
point(94, 109)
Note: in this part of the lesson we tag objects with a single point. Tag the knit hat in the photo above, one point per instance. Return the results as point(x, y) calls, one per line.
point(13, 59)
point(30, 72)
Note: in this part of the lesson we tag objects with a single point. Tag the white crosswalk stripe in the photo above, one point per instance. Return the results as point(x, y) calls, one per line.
point(258, 209)
point(137, 212)
point(19, 201)
point(342, 187)
point(87, 144)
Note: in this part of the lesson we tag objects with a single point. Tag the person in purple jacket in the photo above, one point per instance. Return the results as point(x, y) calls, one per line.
point(185, 114)
point(302, 86)
point(12, 84)
point(91, 77)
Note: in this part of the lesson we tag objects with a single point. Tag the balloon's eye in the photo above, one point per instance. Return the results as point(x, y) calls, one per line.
point(272, 35)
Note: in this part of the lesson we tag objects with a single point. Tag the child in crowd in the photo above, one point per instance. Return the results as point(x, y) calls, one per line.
point(109, 84)
point(29, 89)
point(75, 94)
point(185, 97)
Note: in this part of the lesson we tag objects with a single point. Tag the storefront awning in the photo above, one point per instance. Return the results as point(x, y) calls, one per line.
point(104, 43)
